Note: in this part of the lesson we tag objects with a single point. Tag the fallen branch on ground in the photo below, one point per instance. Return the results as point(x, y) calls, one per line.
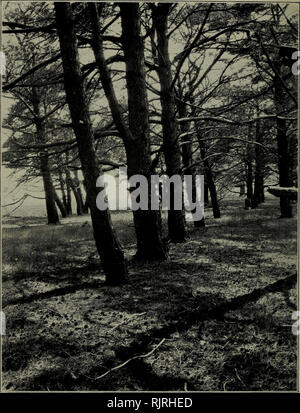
point(132, 358)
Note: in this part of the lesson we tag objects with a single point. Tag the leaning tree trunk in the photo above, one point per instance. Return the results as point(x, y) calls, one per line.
point(108, 246)
point(284, 160)
point(171, 148)
point(136, 138)
point(60, 205)
point(258, 196)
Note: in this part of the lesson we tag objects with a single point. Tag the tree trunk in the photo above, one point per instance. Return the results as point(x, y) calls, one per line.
point(73, 187)
point(249, 180)
point(242, 189)
point(63, 192)
point(171, 148)
point(69, 195)
point(249, 176)
point(258, 196)
point(138, 148)
point(136, 138)
point(212, 191)
point(79, 202)
point(60, 205)
point(213, 194)
point(85, 208)
point(187, 159)
point(206, 194)
point(52, 214)
point(79, 193)
point(108, 246)
point(284, 161)
point(208, 176)
point(49, 189)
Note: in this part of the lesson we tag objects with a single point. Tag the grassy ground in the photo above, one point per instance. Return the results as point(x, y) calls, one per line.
point(65, 329)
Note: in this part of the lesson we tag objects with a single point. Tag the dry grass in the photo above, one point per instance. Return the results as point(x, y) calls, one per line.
point(64, 328)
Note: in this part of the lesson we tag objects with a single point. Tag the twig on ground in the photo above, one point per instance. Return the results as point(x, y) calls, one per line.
point(224, 384)
point(50, 309)
point(53, 311)
point(132, 358)
point(238, 376)
point(124, 321)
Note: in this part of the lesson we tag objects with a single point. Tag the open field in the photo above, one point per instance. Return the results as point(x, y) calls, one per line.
point(65, 330)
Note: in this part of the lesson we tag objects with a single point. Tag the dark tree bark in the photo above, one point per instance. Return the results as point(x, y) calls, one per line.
point(208, 176)
point(79, 192)
point(80, 198)
point(78, 201)
point(85, 208)
point(284, 159)
point(171, 148)
point(52, 214)
point(249, 180)
point(242, 189)
point(138, 148)
point(69, 195)
point(108, 246)
point(63, 192)
point(67, 183)
point(258, 196)
point(206, 194)
point(249, 175)
point(74, 189)
point(213, 195)
point(60, 205)
point(135, 137)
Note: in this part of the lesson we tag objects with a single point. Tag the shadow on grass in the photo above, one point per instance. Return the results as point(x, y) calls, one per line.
point(57, 292)
point(164, 291)
point(19, 354)
point(71, 274)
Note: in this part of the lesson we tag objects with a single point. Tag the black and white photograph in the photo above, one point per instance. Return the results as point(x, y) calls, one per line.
point(149, 197)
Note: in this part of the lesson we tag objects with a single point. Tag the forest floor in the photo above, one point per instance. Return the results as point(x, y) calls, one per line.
point(212, 318)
